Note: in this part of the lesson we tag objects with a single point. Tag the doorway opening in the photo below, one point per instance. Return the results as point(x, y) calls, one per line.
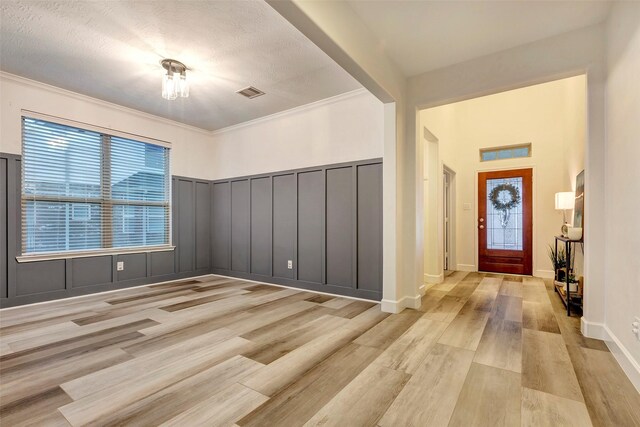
point(448, 219)
point(539, 128)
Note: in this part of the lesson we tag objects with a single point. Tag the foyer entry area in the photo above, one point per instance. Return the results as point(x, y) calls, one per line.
point(509, 154)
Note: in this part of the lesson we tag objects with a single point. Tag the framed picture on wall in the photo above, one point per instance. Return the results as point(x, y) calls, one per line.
point(578, 209)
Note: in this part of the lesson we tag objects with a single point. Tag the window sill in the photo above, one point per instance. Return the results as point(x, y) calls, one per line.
point(94, 253)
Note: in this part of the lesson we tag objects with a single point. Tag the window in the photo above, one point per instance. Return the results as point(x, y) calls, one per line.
point(84, 190)
point(508, 152)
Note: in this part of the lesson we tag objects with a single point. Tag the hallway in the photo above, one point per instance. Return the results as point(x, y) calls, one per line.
point(483, 349)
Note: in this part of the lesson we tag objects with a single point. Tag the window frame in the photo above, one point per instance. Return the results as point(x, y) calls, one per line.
point(497, 150)
point(107, 203)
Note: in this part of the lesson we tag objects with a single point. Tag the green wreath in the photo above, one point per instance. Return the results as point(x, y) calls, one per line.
point(500, 206)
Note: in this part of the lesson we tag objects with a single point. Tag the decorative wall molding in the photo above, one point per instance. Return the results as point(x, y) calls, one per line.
point(85, 98)
point(434, 278)
point(292, 111)
point(466, 267)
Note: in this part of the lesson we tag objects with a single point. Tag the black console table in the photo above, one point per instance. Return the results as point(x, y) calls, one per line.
point(570, 298)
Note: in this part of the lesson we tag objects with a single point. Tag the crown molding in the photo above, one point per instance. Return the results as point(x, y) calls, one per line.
point(292, 111)
point(54, 89)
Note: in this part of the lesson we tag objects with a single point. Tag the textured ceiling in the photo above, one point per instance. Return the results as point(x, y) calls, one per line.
point(425, 35)
point(111, 50)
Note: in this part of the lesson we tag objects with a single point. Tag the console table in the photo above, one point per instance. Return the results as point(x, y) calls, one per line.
point(570, 298)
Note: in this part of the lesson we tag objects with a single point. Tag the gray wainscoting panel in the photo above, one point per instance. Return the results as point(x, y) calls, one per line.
point(135, 266)
point(310, 225)
point(203, 225)
point(221, 225)
point(326, 219)
point(28, 282)
point(340, 227)
point(162, 263)
point(284, 226)
point(186, 224)
point(369, 227)
point(240, 225)
point(261, 226)
point(3, 227)
point(40, 277)
point(91, 271)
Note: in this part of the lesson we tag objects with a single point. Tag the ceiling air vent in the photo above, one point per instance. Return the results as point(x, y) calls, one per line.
point(250, 92)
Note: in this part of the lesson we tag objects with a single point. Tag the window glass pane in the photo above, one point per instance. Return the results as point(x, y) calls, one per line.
point(138, 171)
point(60, 161)
point(504, 226)
point(521, 152)
point(504, 154)
point(135, 225)
point(488, 155)
point(61, 226)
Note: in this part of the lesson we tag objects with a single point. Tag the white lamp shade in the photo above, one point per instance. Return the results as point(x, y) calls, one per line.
point(565, 200)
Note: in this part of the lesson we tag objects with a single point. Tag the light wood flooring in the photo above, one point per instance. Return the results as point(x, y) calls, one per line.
point(483, 350)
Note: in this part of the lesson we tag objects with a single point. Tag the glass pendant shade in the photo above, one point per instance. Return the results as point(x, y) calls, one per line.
point(183, 85)
point(169, 86)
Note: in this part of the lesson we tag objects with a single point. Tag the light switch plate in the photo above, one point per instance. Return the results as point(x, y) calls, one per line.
point(635, 328)
point(120, 265)
point(290, 265)
point(466, 206)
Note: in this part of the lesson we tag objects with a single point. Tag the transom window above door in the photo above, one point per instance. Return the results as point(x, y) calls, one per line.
point(506, 152)
point(86, 191)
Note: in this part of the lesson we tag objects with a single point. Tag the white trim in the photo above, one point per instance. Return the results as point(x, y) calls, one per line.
point(296, 289)
point(545, 274)
point(29, 114)
point(294, 110)
point(466, 267)
point(396, 306)
point(65, 299)
point(625, 359)
point(593, 329)
point(54, 89)
point(623, 356)
point(434, 278)
point(88, 253)
point(423, 289)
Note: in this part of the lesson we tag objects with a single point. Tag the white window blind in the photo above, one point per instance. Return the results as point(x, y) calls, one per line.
point(84, 190)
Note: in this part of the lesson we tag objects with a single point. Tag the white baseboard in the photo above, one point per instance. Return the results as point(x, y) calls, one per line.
point(593, 329)
point(625, 359)
point(623, 356)
point(396, 306)
point(545, 274)
point(422, 289)
point(466, 267)
point(434, 278)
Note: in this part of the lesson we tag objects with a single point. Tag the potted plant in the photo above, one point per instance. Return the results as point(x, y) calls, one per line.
point(559, 261)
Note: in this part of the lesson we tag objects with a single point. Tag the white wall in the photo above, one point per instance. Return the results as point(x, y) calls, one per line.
point(344, 128)
point(189, 145)
point(551, 117)
point(622, 155)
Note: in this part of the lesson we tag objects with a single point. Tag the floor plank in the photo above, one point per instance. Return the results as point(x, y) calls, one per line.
point(541, 409)
point(489, 397)
point(546, 365)
point(430, 396)
point(501, 345)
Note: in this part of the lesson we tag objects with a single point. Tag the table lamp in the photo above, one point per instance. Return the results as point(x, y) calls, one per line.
point(565, 200)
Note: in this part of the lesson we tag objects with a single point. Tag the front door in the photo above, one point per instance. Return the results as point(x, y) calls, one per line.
point(505, 221)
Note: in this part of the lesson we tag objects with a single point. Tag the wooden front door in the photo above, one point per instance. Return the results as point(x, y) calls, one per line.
point(505, 221)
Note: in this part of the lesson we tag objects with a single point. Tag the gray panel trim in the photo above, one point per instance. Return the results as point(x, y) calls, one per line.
point(294, 280)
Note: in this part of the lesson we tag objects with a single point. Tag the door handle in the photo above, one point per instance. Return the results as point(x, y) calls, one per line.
point(481, 227)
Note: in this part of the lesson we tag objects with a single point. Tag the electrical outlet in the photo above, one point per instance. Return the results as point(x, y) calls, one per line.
point(635, 328)
point(120, 265)
point(290, 265)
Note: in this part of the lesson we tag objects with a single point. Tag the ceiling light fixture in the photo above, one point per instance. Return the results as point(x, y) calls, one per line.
point(174, 81)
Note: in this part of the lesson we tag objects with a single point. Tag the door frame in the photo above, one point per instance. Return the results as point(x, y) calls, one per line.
point(534, 193)
point(451, 258)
